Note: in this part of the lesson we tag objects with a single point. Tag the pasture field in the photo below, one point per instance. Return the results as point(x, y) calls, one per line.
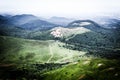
point(25, 59)
point(87, 69)
point(16, 50)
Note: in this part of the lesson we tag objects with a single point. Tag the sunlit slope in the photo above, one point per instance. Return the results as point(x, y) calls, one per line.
point(87, 69)
point(29, 51)
point(68, 32)
point(86, 35)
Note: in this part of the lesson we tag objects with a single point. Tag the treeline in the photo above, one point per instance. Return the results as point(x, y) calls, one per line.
point(97, 44)
point(28, 71)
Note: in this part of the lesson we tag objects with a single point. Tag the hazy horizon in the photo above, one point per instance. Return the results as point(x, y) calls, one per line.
point(61, 8)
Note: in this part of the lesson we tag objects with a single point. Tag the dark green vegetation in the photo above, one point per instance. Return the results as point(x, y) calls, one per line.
point(26, 71)
point(22, 58)
point(88, 69)
point(19, 61)
point(17, 50)
point(31, 48)
point(92, 38)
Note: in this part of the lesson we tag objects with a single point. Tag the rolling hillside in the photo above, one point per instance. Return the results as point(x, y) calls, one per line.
point(31, 48)
point(18, 50)
point(46, 60)
point(87, 69)
point(86, 35)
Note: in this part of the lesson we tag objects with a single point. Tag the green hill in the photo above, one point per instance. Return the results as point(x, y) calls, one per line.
point(48, 59)
point(18, 50)
point(80, 51)
point(87, 69)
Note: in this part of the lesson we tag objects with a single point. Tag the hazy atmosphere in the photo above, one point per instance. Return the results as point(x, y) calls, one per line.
point(59, 39)
point(63, 8)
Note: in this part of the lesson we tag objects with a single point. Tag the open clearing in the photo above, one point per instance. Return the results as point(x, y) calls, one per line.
point(16, 50)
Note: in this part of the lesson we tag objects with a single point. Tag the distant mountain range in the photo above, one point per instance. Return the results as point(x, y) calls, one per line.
point(30, 26)
point(22, 24)
point(27, 22)
point(26, 19)
point(107, 22)
point(60, 20)
point(32, 47)
point(90, 35)
point(22, 19)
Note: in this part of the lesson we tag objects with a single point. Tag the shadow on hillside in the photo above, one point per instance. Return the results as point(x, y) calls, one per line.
point(97, 44)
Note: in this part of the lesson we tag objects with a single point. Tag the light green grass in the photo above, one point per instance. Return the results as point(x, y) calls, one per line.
point(87, 69)
point(22, 50)
point(18, 50)
point(61, 54)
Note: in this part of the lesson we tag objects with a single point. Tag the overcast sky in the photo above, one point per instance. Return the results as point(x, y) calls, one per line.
point(68, 8)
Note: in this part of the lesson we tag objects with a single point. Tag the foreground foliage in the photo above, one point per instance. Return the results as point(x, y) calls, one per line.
point(86, 69)
point(89, 69)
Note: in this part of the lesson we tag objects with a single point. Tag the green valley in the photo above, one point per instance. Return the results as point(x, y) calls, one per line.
point(33, 48)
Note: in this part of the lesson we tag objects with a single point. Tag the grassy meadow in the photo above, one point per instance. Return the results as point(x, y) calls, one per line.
point(25, 59)
point(18, 50)
point(87, 69)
